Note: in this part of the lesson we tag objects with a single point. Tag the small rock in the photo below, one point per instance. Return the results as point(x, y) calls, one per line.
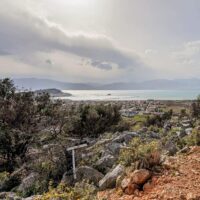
point(125, 183)
point(147, 186)
point(130, 190)
point(140, 176)
point(191, 196)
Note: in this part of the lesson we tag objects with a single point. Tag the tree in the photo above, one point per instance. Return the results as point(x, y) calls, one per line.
point(92, 120)
point(195, 108)
point(20, 117)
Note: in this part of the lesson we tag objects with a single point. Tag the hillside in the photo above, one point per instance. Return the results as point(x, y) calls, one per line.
point(180, 180)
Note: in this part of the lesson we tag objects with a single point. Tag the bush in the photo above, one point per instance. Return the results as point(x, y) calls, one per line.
point(141, 154)
point(81, 191)
point(93, 120)
point(193, 139)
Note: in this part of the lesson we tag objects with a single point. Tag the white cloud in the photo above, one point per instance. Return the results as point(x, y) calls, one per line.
point(188, 54)
point(23, 33)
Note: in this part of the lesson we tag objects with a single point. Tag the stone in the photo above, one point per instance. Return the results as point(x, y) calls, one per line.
point(140, 176)
point(147, 186)
point(9, 196)
point(191, 196)
point(181, 133)
point(109, 180)
point(119, 180)
point(114, 148)
point(130, 190)
point(105, 163)
point(153, 135)
point(171, 148)
point(28, 182)
point(125, 183)
point(33, 197)
point(188, 131)
point(125, 137)
point(88, 173)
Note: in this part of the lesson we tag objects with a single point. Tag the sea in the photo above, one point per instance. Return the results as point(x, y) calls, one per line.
point(128, 95)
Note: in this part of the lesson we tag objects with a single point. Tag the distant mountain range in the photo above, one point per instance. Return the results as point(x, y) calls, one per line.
point(158, 84)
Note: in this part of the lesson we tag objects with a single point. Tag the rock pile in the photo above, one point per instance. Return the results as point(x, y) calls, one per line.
point(138, 180)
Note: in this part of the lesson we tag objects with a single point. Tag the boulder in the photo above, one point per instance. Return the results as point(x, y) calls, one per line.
point(109, 180)
point(171, 148)
point(188, 131)
point(114, 148)
point(125, 137)
point(28, 183)
point(9, 196)
point(143, 130)
point(12, 180)
point(88, 173)
point(140, 176)
point(153, 135)
point(181, 133)
point(33, 197)
point(105, 163)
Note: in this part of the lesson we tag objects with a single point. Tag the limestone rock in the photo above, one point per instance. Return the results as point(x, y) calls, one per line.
point(109, 180)
point(88, 173)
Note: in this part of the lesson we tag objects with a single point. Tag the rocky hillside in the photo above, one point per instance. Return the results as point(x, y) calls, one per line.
point(179, 180)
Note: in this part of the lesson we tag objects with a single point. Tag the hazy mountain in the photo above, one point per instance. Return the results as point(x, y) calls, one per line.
point(37, 84)
point(159, 84)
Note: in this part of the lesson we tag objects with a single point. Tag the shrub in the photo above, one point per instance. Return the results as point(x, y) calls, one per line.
point(141, 154)
point(93, 120)
point(81, 191)
point(193, 139)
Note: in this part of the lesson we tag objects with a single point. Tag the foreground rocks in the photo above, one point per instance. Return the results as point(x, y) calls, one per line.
point(135, 180)
point(88, 173)
point(14, 196)
point(109, 180)
point(180, 180)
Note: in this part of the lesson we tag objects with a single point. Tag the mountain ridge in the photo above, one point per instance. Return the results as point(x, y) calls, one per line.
point(156, 84)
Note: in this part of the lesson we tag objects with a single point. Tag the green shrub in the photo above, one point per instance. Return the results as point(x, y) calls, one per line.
point(81, 191)
point(141, 154)
point(193, 139)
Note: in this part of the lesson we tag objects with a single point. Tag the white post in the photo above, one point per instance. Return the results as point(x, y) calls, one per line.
point(73, 156)
point(74, 164)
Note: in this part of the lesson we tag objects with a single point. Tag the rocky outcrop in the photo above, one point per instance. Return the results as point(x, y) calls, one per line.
point(109, 180)
point(88, 173)
point(105, 163)
point(125, 137)
point(27, 183)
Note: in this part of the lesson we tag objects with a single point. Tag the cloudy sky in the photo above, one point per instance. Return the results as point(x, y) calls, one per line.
point(100, 40)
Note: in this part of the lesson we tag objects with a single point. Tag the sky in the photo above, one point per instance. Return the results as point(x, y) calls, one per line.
point(100, 40)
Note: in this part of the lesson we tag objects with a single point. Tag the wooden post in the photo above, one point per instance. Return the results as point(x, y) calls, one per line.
point(73, 157)
point(73, 163)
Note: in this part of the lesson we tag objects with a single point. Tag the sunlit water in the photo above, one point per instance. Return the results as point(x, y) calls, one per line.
point(115, 95)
